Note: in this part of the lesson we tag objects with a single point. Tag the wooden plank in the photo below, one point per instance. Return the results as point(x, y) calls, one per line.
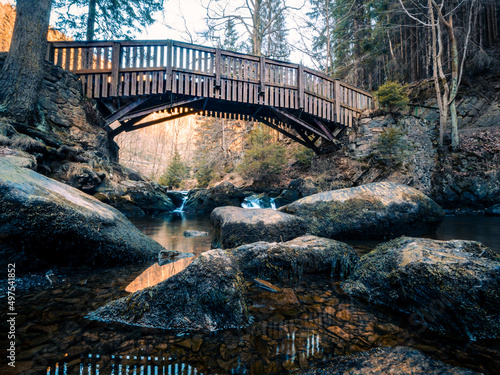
point(245, 92)
point(141, 58)
point(337, 100)
point(133, 89)
point(126, 84)
point(223, 90)
point(105, 85)
point(154, 87)
point(115, 69)
point(193, 84)
point(300, 86)
point(140, 84)
point(161, 79)
point(175, 62)
point(90, 79)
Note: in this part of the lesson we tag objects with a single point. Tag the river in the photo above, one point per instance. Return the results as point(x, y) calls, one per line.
point(54, 337)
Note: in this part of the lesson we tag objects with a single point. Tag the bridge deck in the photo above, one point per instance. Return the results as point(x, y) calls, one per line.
point(135, 78)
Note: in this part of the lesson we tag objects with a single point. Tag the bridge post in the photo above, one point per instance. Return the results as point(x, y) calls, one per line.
point(169, 66)
point(217, 67)
point(262, 88)
point(337, 101)
point(300, 85)
point(115, 68)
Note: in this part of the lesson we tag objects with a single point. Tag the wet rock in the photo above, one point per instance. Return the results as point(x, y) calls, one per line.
point(205, 200)
point(170, 256)
point(44, 222)
point(207, 295)
point(266, 285)
point(195, 233)
point(397, 360)
point(449, 286)
point(493, 210)
point(378, 210)
point(235, 226)
point(176, 197)
point(308, 254)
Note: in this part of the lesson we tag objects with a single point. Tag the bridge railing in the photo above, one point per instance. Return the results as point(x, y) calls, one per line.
point(131, 68)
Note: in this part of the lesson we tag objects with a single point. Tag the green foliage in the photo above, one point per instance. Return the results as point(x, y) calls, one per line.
point(176, 172)
point(204, 174)
point(392, 96)
point(391, 148)
point(113, 19)
point(264, 159)
point(304, 156)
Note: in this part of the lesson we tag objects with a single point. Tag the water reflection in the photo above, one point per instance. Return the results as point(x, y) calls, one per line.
point(168, 231)
point(156, 274)
point(476, 228)
point(124, 365)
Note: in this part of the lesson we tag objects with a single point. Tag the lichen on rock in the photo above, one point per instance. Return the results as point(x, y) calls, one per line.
point(374, 211)
point(452, 287)
point(290, 260)
point(235, 226)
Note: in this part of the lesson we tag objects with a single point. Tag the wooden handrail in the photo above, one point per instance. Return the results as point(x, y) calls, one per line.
point(138, 67)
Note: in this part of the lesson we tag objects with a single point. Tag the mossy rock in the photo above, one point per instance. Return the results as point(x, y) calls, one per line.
point(396, 360)
point(380, 210)
point(452, 287)
point(45, 223)
point(235, 226)
point(291, 259)
point(207, 295)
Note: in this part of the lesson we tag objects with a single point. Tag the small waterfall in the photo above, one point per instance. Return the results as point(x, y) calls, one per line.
point(273, 204)
point(251, 202)
point(184, 199)
point(258, 201)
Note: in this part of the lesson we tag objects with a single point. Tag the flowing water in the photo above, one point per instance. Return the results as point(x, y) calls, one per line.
point(310, 322)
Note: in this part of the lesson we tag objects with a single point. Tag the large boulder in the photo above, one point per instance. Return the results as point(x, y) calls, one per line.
point(235, 226)
point(396, 360)
point(44, 222)
point(448, 286)
point(205, 200)
point(290, 260)
point(380, 210)
point(207, 295)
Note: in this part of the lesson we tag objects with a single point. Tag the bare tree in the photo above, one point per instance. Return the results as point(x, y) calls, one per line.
point(259, 20)
point(439, 17)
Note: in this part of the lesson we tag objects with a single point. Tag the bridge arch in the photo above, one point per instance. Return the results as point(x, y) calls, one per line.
point(132, 79)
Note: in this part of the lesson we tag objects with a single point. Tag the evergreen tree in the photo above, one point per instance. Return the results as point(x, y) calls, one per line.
point(264, 159)
point(231, 37)
point(176, 172)
point(104, 19)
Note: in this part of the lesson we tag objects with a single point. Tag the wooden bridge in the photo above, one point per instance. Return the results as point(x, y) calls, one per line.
point(132, 79)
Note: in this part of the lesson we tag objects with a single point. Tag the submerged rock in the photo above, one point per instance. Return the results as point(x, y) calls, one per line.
point(396, 360)
point(308, 254)
point(448, 286)
point(207, 295)
point(194, 233)
point(378, 210)
point(235, 226)
point(493, 210)
point(44, 222)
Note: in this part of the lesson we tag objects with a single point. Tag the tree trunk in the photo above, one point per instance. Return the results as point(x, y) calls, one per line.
point(22, 73)
point(91, 20)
